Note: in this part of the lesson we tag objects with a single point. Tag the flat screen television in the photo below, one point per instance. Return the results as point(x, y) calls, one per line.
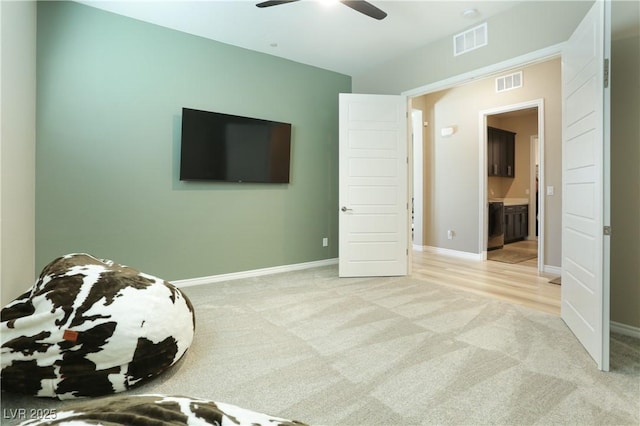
point(231, 148)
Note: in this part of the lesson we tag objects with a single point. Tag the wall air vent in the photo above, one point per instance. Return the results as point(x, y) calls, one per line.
point(470, 40)
point(509, 82)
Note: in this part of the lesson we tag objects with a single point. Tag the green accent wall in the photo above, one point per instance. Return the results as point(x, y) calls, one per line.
point(110, 92)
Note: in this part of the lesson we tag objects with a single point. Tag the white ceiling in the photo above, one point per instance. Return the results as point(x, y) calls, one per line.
point(328, 36)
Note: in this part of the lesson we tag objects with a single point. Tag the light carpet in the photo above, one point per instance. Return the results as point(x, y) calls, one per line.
point(390, 351)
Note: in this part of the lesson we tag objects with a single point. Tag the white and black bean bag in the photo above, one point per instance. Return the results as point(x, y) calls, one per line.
point(146, 410)
point(91, 327)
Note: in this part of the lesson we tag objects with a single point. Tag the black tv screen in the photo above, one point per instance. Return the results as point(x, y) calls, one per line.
point(230, 148)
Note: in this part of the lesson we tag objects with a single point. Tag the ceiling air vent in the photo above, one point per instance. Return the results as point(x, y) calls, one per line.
point(470, 40)
point(508, 82)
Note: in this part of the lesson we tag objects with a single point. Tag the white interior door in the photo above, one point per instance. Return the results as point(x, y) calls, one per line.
point(373, 186)
point(585, 140)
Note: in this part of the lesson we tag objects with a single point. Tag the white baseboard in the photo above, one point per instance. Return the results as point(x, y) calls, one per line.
point(450, 252)
point(555, 270)
point(627, 330)
point(252, 273)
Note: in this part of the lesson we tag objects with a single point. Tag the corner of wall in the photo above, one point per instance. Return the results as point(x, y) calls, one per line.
point(17, 147)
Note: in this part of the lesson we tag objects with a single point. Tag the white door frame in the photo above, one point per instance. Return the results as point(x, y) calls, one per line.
point(417, 189)
point(535, 151)
point(482, 178)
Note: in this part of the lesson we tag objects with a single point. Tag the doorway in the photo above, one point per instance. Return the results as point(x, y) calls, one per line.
point(455, 192)
point(514, 230)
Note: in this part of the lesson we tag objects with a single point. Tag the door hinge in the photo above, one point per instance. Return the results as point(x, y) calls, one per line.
point(607, 230)
point(606, 73)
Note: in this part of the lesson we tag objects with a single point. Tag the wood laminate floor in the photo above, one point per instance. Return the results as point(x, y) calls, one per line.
point(517, 283)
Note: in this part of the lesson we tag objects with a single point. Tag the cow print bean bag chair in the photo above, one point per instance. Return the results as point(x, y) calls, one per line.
point(91, 327)
point(143, 410)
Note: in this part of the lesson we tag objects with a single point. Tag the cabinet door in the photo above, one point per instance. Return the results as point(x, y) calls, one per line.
point(509, 159)
point(502, 162)
point(521, 222)
point(509, 224)
point(493, 152)
point(516, 223)
point(500, 152)
point(524, 224)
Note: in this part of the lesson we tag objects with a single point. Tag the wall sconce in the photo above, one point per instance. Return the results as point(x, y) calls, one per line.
point(447, 131)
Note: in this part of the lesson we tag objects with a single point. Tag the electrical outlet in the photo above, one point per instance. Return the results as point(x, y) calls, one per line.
point(451, 234)
point(325, 242)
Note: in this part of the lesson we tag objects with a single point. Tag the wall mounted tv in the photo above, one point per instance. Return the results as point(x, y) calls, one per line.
point(230, 148)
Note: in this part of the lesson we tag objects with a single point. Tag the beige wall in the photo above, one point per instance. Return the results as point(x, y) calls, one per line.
point(17, 148)
point(451, 164)
point(625, 179)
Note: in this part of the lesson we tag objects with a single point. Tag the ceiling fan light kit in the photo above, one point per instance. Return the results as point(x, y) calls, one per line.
point(361, 6)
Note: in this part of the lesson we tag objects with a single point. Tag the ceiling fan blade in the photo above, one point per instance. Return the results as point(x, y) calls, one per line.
point(274, 3)
point(366, 8)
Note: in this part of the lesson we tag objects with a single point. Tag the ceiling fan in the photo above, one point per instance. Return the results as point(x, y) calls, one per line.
point(357, 5)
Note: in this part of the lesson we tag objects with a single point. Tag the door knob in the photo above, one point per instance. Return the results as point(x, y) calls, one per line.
point(345, 209)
